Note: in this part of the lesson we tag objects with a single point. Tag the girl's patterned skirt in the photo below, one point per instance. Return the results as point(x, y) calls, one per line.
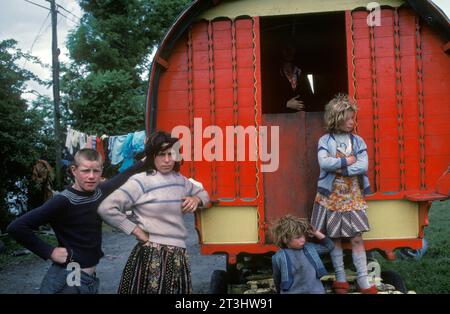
point(343, 213)
point(156, 269)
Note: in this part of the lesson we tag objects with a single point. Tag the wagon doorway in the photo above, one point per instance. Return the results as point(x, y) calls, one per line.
point(316, 45)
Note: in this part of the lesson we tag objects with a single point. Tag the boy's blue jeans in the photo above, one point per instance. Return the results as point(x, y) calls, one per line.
point(55, 281)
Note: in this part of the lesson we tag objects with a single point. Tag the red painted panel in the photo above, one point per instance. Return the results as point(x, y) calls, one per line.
point(244, 58)
point(246, 97)
point(222, 60)
point(199, 35)
point(200, 79)
point(223, 78)
point(436, 79)
point(363, 88)
point(364, 69)
point(172, 100)
point(362, 48)
point(244, 33)
point(436, 76)
point(247, 185)
point(176, 117)
point(226, 183)
point(203, 174)
point(224, 98)
point(200, 60)
point(407, 43)
point(173, 81)
point(435, 147)
point(178, 62)
point(212, 52)
point(200, 97)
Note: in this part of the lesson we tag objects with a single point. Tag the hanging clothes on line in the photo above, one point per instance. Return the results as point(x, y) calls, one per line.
point(72, 140)
point(119, 149)
point(82, 140)
point(134, 144)
point(99, 147)
point(115, 147)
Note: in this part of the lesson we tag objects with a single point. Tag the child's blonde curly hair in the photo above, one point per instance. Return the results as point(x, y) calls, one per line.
point(336, 112)
point(287, 228)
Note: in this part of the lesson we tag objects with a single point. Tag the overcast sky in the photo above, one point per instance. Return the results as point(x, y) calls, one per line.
point(27, 23)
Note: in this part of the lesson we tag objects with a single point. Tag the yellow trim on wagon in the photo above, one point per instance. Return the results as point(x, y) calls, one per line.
point(229, 224)
point(234, 8)
point(392, 219)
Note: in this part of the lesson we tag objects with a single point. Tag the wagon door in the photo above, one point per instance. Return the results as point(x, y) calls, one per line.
point(320, 52)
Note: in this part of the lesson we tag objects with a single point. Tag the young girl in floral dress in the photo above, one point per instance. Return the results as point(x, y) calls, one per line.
point(340, 209)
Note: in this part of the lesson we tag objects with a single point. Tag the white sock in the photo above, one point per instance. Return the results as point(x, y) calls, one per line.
point(360, 262)
point(337, 257)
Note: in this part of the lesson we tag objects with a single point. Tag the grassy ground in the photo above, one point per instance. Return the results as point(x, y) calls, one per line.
point(431, 274)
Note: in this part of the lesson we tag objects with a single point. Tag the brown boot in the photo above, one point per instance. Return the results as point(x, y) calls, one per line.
point(340, 287)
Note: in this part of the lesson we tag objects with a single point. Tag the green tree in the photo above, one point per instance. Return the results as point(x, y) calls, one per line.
point(103, 87)
point(20, 140)
point(106, 102)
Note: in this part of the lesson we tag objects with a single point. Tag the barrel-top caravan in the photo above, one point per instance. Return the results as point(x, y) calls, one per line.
point(217, 68)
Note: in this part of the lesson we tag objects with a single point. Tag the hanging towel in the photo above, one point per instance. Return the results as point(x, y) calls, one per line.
point(69, 136)
point(75, 140)
point(94, 141)
point(138, 142)
point(134, 145)
point(115, 147)
point(82, 139)
point(88, 142)
point(127, 153)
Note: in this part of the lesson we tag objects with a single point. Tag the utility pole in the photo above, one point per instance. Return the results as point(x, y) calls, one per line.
point(56, 98)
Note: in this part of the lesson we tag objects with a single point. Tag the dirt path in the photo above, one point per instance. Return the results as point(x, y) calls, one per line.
point(26, 277)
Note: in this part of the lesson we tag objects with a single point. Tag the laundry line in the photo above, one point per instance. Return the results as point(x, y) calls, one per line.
point(117, 148)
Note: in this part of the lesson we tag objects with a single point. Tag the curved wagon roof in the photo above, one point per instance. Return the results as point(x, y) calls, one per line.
point(208, 9)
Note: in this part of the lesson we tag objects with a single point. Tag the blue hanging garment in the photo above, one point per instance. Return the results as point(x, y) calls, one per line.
point(115, 146)
point(134, 144)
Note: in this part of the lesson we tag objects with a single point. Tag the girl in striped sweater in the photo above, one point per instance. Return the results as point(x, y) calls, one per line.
point(158, 198)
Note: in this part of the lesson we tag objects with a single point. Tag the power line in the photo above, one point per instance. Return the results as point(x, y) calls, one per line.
point(39, 32)
point(76, 23)
point(60, 6)
point(41, 6)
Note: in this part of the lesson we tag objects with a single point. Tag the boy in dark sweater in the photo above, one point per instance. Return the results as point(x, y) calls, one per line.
point(73, 216)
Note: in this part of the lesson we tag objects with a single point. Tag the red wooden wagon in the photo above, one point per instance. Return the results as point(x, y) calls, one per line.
point(217, 63)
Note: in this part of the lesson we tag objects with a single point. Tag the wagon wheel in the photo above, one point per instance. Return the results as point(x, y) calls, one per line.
point(394, 279)
point(219, 282)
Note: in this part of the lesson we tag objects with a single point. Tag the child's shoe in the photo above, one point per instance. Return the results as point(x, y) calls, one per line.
point(371, 290)
point(340, 287)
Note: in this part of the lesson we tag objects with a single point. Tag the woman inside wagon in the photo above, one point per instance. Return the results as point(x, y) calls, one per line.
point(159, 197)
point(297, 91)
